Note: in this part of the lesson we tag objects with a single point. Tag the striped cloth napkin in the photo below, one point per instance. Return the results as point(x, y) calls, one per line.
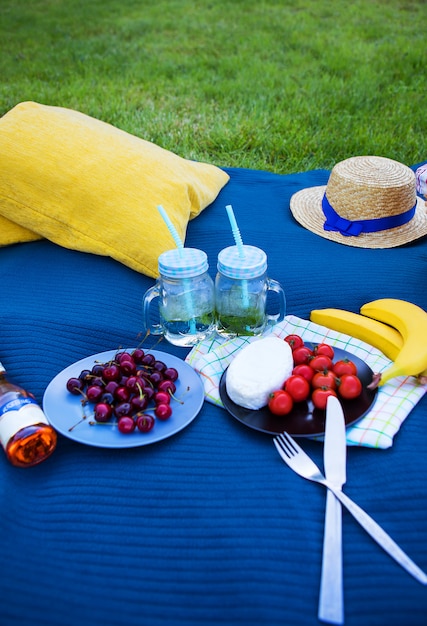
point(376, 429)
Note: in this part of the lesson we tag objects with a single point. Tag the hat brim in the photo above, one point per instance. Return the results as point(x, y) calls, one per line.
point(306, 207)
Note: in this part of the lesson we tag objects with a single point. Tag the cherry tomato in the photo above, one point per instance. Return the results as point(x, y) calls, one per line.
point(344, 366)
point(298, 388)
point(302, 355)
point(324, 379)
point(320, 397)
point(324, 348)
point(349, 386)
point(295, 341)
point(280, 402)
point(303, 369)
point(321, 362)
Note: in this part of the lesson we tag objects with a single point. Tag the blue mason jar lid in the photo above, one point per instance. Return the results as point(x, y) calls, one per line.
point(233, 264)
point(183, 263)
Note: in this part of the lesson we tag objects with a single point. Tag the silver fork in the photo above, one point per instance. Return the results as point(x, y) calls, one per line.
point(295, 457)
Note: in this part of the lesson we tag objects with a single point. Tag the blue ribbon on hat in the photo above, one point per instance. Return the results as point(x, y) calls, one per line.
point(353, 229)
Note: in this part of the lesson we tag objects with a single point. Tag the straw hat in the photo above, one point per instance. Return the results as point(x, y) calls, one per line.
point(369, 202)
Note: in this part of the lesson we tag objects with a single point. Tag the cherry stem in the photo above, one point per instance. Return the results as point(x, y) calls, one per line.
point(141, 343)
point(179, 400)
point(82, 419)
point(157, 342)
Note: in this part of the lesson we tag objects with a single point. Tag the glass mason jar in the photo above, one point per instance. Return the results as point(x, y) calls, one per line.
point(185, 295)
point(241, 288)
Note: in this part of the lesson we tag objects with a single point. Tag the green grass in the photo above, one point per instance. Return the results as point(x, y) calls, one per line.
point(278, 85)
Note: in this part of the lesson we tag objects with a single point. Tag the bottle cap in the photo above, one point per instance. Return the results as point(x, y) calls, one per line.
point(233, 265)
point(183, 263)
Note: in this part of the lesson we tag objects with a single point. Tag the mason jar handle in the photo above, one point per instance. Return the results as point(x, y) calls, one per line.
point(274, 285)
point(149, 296)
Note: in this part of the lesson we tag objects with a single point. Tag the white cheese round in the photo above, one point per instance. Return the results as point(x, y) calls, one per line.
point(257, 370)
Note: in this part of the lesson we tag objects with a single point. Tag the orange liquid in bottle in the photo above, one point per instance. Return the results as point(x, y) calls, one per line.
point(25, 433)
point(31, 445)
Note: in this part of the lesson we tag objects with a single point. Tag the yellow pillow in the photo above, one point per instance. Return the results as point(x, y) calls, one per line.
point(14, 233)
point(89, 186)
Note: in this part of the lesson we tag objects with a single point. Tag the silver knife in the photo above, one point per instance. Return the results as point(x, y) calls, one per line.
point(331, 600)
point(295, 458)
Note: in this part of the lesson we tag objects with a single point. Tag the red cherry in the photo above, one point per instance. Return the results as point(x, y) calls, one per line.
point(127, 367)
point(149, 392)
point(103, 412)
point(122, 394)
point(138, 354)
point(167, 385)
point(145, 422)
point(156, 378)
point(163, 411)
point(162, 397)
point(111, 372)
point(139, 403)
point(171, 373)
point(94, 393)
point(126, 424)
point(123, 356)
point(97, 380)
point(75, 386)
point(111, 386)
point(135, 383)
point(148, 360)
point(97, 369)
point(124, 408)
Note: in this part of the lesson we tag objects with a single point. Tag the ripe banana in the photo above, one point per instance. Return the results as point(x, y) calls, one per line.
point(377, 334)
point(411, 321)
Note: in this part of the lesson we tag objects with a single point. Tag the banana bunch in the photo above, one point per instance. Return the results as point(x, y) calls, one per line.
point(396, 327)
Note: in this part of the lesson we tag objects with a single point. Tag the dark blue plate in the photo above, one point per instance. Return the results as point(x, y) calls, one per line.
point(304, 420)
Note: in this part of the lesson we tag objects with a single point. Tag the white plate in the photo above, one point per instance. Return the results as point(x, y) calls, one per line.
point(64, 410)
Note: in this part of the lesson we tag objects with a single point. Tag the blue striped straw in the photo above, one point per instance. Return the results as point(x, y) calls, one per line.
point(239, 243)
point(235, 230)
point(180, 246)
point(171, 228)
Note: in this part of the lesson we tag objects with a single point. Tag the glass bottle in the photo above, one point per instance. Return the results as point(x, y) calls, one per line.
point(185, 295)
point(25, 433)
point(241, 288)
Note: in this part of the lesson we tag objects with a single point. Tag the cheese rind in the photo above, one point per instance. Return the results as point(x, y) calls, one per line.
point(257, 370)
